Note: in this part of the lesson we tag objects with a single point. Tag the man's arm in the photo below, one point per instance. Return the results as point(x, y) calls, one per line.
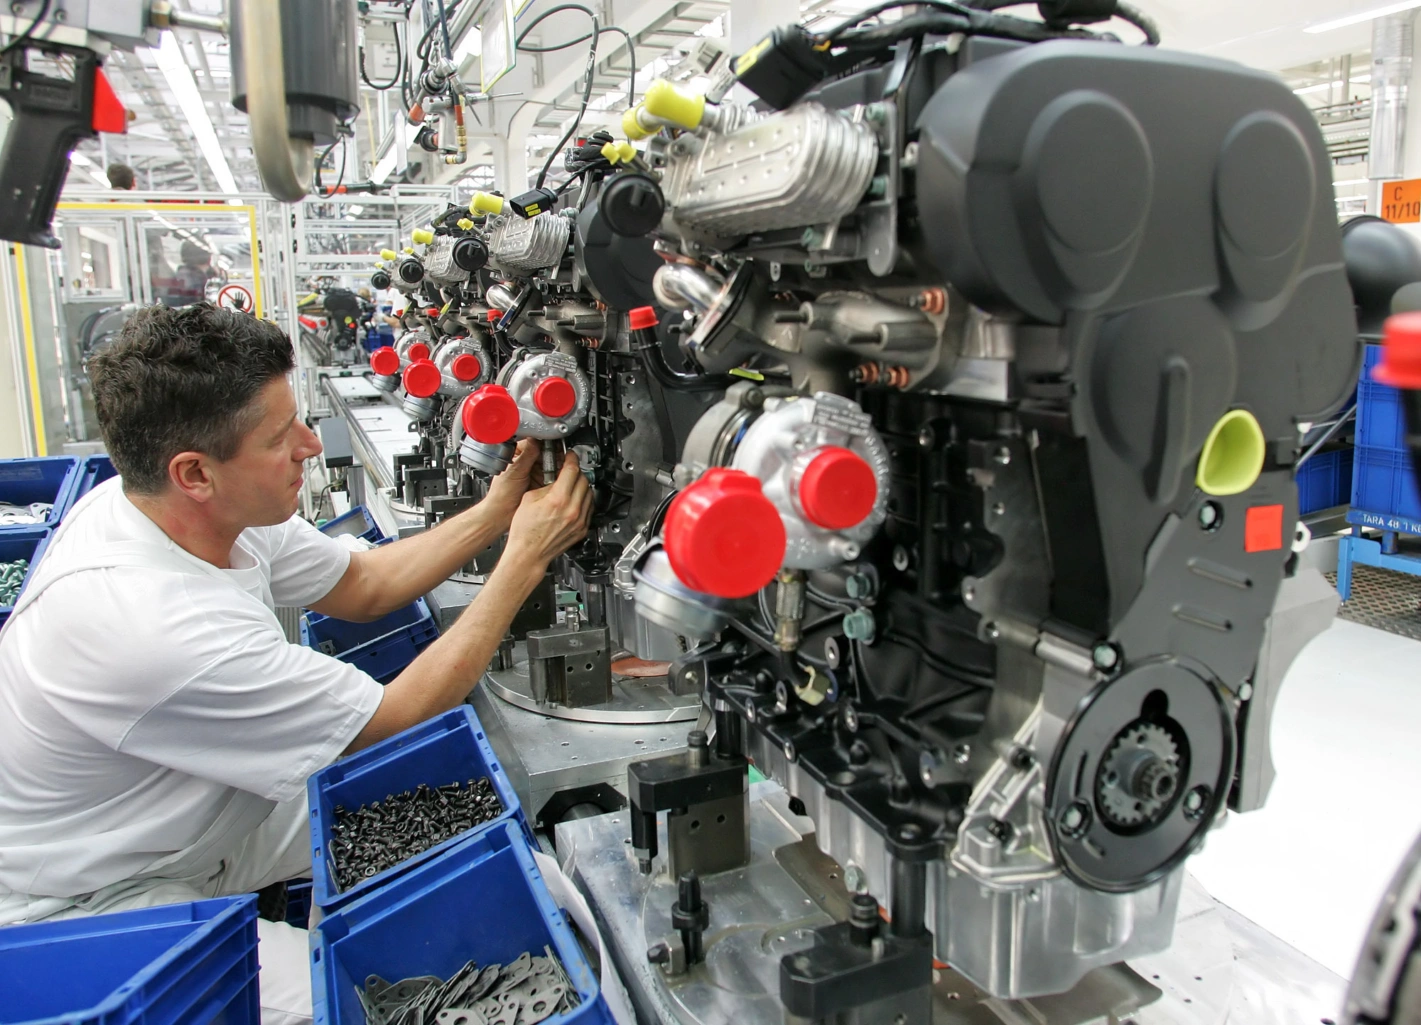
point(549, 520)
point(391, 576)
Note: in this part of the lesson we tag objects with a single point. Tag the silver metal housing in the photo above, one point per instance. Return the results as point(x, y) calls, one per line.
point(662, 599)
point(803, 166)
point(439, 265)
point(450, 350)
point(520, 246)
point(523, 377)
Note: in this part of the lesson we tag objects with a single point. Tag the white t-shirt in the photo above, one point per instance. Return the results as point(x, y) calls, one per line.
point(152, 714)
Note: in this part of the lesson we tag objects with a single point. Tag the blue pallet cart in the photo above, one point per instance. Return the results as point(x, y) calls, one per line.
point(177, 964)
point(450, 748)
point(48, 479)
point(483, 901)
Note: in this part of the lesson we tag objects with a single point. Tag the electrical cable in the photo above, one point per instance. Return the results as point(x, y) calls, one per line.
point(1124, 11)
point(399, 67)
point(444, 28)
point(591, 73)
point(29, 32)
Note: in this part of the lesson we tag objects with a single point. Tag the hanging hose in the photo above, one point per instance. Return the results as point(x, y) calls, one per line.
point(643, 323)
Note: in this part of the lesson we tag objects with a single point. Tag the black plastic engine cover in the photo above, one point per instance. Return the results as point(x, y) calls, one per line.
point(618, 268)
point(1173, 215)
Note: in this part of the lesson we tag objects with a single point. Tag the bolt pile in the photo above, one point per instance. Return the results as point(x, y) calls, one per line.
point(12, 577)
point(523, 992)
point(381, 834)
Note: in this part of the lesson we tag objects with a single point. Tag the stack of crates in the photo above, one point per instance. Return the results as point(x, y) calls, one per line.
point(1385, 496)
point(48, 480)
point(92, 472)
point(194, 962)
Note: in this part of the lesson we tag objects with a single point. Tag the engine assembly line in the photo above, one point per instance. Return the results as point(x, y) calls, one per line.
point(943, 378)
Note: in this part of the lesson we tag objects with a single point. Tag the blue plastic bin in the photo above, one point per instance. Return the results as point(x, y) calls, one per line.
point(1381, 418)
point(358, 522)
point(1384, 492)
point(450, 748)
point(1325, 481)
point(382, 648)
point(298, 902)
point(22, 544)
point(483, 901)
point(46, 479)
point(177, 964)
point(92, 472)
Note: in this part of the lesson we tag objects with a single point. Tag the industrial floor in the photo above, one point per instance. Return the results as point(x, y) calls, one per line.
point(1311, 865)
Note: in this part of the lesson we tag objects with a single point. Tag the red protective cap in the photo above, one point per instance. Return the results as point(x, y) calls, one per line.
point(555, 396)
point(490, 415)
point(433, 311)
point(109, 115)
point(385, 361)
point(466, 367)
point(422, 379)
point(723, 536)
point(642, 317)
point(494, 315)
point(837, 489)
point(1401, 353)
point(419, 351)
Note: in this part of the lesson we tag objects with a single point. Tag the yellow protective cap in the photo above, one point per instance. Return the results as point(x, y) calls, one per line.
point(1233, 455)
point(422, 236)
point(632, 126)
point(486, 203)
point(389, 254)
point(409, 249)
point(464, 223)
point(626, 151)
point(611, 152)
point(665, 101)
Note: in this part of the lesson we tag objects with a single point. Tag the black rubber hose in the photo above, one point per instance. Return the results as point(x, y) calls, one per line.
point(648, 347)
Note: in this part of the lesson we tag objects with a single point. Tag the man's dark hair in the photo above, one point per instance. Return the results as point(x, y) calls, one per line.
point(182, 381)
point(120, 176)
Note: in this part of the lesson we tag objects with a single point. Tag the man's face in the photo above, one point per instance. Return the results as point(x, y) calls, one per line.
point(260, 486)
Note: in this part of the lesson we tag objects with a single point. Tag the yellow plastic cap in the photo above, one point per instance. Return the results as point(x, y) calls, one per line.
point(486, 203)
point(409, 250)
point(665, 101)
point(422, 236)
point(632, 127)
point(464, 223)
point(626, 151)
point(611, 152)
point(389, 254)
point(1233, 455)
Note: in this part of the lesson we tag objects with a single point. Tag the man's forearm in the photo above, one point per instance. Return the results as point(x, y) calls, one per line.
point(396, 574)
point(442, 676)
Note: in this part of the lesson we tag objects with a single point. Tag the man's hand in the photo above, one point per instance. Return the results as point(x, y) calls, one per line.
point(551, 520)
point(509, 487)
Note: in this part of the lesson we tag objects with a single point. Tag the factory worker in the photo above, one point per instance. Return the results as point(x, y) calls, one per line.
point(156, 727)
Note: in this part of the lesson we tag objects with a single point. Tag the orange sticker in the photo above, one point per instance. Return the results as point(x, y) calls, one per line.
point(1401, 202)
point(1263, 529)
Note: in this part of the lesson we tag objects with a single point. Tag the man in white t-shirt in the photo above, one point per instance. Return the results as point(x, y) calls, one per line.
point(156, 727)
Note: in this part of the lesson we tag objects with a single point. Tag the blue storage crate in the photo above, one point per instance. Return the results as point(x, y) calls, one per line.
point(22, 544)
point(1325, 481)
point(177, 964)
point(382, 648)
point(450, 748)
point(298, 902)
point(48, 479)
point(92, 472)
point(483, 901)
point(1384, 492)
point(358, 522)
point(1381, 418)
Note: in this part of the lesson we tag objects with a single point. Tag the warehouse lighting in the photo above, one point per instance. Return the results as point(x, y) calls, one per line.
point(472, 45)
point(1361, 16)
point(1308, 90)
point(180, 80)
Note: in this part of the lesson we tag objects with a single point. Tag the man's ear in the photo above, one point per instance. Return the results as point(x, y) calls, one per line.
point(191, 474)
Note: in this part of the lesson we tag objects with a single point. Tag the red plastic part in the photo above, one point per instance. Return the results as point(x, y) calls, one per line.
point(641, 318)
point(422, 379)
point(385, 361)
point(433, 312)
point(494, 316)
point(1401, 353)
point(419, 351)
point(490, 415)
point(837, 489)
point(555, 397)
point(723, 536)
point(109, 115)
point(1263, 529)
point(466, 367)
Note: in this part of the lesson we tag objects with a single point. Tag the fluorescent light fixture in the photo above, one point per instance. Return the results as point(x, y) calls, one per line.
point(99, 178)
point(174, 68)
point(78, 158)
point(1361, 16)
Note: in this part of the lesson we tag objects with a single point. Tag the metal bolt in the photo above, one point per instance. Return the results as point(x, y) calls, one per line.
point(927, 437)
point(859, 586)
point(962, 754)
point(859, 625)
point(930, 766)
point(789, 750)
point(1075, 820)
point(901, 559)
point(812, 238)
point(851, 719)
point(1002, 456)
point(1195, 801)
point(854, 879)
point(1211, 516)
point(1105, 656)
point(659, 953)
